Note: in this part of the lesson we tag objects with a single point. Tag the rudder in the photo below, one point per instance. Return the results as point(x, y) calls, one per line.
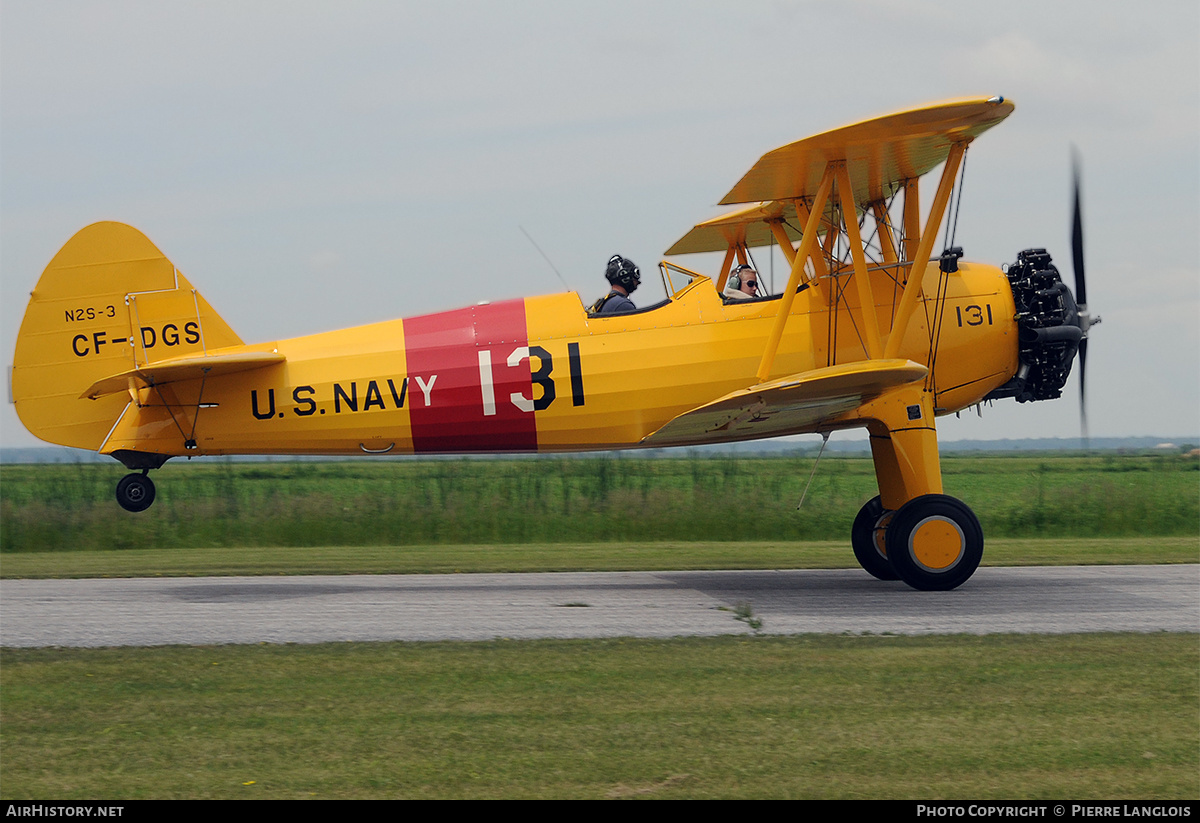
point(108, 302)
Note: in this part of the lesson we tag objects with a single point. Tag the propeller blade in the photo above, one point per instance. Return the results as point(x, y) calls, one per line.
point(1080, 290)
point(1083, 391)
point(1077, 234)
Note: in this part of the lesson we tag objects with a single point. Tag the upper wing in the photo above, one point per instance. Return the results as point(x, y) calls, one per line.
point(182, 368)
point(791, 405)
point(881, 153)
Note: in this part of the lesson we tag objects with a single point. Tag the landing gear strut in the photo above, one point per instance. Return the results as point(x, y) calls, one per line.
point(135, 492)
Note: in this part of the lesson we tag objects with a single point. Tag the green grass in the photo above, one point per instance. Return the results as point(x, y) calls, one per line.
point(1014, 717)
point(998, 717)
point(560, 557)
point(573, 500)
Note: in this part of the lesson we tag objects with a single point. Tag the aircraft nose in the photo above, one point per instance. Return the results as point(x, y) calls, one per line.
point(1049, 332)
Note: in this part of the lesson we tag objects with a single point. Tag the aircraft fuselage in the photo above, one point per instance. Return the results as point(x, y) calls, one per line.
point(538, 375)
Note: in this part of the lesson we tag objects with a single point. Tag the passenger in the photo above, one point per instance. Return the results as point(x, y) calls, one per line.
point(624, 278)
point(742, 283)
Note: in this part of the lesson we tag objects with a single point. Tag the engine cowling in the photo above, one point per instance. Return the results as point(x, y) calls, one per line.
point(1049, 329)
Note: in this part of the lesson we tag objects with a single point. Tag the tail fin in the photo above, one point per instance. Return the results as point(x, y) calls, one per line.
point(108, 302)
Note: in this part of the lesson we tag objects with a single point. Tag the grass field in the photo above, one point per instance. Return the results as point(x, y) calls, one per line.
point(996, 717)
point(663, 555)
point(573, 500)
point(1013, 717)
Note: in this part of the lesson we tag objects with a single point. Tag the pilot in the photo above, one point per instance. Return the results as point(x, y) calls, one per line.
point(742, 283)
point(625, 278)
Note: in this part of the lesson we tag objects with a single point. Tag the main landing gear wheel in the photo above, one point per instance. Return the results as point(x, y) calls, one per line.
point(934, 542)
point(135, 492)
point(867, 538)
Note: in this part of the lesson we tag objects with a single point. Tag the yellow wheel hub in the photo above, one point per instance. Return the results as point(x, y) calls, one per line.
point(937, 544)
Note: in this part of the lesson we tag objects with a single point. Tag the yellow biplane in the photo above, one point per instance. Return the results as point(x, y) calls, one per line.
point(119, 354)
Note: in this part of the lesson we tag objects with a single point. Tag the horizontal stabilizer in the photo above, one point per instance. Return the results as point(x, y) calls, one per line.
point(182, 368)
point(795, 404)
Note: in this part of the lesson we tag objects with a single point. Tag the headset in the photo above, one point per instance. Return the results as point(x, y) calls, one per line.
point(734, 282)
point(623, 273)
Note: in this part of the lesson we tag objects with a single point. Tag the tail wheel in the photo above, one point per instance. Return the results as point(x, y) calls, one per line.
point(867, 538)
point(135, 492)
point(934, 542)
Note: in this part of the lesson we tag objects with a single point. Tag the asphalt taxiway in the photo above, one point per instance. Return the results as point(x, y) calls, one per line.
point(218, 610)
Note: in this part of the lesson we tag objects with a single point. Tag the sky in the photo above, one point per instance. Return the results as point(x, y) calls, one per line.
point(316, 165)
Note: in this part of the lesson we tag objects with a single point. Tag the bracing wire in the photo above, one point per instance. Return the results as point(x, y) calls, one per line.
point(962, 179)
point(804, 494)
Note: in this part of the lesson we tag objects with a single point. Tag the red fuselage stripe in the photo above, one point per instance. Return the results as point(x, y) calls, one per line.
point(468, 397)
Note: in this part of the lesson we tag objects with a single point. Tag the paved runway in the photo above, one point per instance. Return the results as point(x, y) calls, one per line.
point(194, 611)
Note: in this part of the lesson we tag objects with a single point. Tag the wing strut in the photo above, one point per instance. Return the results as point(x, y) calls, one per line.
point(726, 267)
point(820, 269)
point(866, 296)
point(883, 225)
point(920, 259)
point(912, 217)
point(807, 244)
point(782, 240)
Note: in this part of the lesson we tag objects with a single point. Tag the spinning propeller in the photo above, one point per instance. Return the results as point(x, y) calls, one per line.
point(1052, 322)
point(1085, 320)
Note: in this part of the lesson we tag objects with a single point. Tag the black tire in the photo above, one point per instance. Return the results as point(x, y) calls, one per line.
point(934, 542)
point(867, 538)
point(135, 492)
